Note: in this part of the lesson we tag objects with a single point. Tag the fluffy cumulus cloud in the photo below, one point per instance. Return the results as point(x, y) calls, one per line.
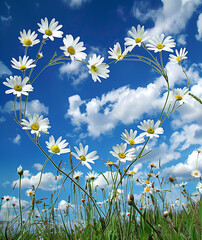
point(199, 26)
point(4, 70)
point(101, 182)
point(34, 106)
point(183, 170)
point(170, 18)
point(75, 3)
point(48, 181)
point(63, 205)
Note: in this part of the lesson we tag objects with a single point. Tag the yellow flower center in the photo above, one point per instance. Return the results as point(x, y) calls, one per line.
point(27, 42)
point(93, 68)
point(55, 149)
point(179, 59)
point(29, 193)
point(147, 189)
point(150, 130)
point(196, 174)
point(48, 32)
point(146, 181)
point(110, 163)
point(137, 40)
point(71, 50)
point(131, 142)
point(83, 158)
point(35, 126)
point(160, 46)
point(122, 155)
point(132, 172)
point(92, 177)
point(178, 97)
point(76, 177)
point(18, 88)
point(120, 56)
point(23, 67)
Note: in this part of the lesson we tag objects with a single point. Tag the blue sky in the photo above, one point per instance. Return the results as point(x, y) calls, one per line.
point(96, 114)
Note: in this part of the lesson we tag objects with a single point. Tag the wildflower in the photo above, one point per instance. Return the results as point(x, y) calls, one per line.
point(196, 173)
point(92, 175)
point(151, 129)
point(77, 175)
point(18, 87)
point(58, 147)
point(181, 95)
point(23, 63)
point(131, 138)
point(116, 53)
point(138, 36)
point(73, 48)
point(148, 189)
point(109, 163)
point(166, 213)
point(84, 157)
point(39, 55)
point(36, 124)
point(132, 172)
point(159, 43)
point(121, 153)
point(50, 30)
point(179, 56)
point(183, 184)
point(29, 192)
point(97, 68)
point(28, 39)
point(130, 199)
point(20, 170)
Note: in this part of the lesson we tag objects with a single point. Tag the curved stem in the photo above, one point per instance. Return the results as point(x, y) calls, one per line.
point(165, 101)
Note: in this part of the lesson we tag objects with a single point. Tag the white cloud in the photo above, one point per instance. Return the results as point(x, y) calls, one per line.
point(62, 205)
point(4, 70)
point(48, 181)
point(5, 184)
point(75, 3)
point(17, 139)
point(199, 26)
point(2, 119)
point(102, 183)
point(171, 18)
point(183, 170)
point(32, 107)
point(181, 39)
point(38, 166)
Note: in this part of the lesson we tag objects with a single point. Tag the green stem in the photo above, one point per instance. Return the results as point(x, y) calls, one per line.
point(15, 106)
point(20, 205)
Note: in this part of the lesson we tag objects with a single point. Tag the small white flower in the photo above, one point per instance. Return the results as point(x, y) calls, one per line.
point(199, 186)
point(81, 154)
point(77, 174)
point(36, 124)
point(158, 43)
point(29, 192)
point(183, 184)
point(97, 68)
point(179, 56)
point(116, 53)
point(138, 36)
point(28, 39)
point(151, 129)
point(23, 63)
point(92, 175)
point(50, 30)
point(73, 48)
point(181, 95)
point(20, 170)
point(131, 138)
point(121, 153)
point(132, 172)
point(18, 87)
point(148, 189)
point(196, 173)
point(58, 147)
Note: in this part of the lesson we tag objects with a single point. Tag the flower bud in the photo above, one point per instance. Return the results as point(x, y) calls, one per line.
point(166, 213)
point(130, 199)
point(20, 170)
point(39, 55)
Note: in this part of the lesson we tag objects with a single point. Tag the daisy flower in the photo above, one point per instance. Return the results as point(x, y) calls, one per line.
point(77, 174)
point(50, 30)
point(91, 175)
point(58, 147)
point(116, 53)
point(29, 192)
point(131, 138)
point(132, 172)
point(23, 63)
point(73, 48)
point(148, 189)
point(97, 68)
point(28, 39)
point(81, 154)
point(181, 95)
point(158, 44)
point(36, 124)
point(151, 129)
point(196, 173)
point(138, 36)
point(199, 186)
point(179, 56)
point(183, 184)
point(121, 153)
point(18, 87)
